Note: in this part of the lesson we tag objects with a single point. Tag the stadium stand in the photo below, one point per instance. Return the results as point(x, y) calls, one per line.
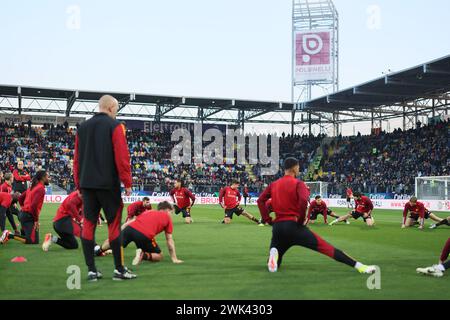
point(387, 162)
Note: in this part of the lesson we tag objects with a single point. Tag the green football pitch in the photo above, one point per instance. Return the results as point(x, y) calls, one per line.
point(224, 262)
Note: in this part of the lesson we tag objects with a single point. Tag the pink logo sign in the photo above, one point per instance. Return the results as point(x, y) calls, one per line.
point(313, 48)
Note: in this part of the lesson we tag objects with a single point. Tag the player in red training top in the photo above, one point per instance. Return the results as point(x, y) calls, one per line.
point(417, 214)
point(32, 200)
point(184, 199)
point(364, 208)
point(290, 198)
point(349, 194)
point(7, 187)
point(137, 208)
point(67, 223)
point(143, 230)
point(439, 269)
point(318, 206)
point(7, 200)
point(230, 199)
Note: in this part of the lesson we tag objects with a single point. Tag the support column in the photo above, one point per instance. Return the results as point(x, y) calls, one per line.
point(309, 123)
point(293, 123)
point(19, 96)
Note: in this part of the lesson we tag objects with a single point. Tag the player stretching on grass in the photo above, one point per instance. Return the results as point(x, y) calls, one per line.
point(444, 222)
point(184, 199)
point(364, 207)
point(318, 206)
point(289, 201)
point(230, 199)
point(137, 208)
point(7, 201)
point(438, 269)
point(417, 214)
point(143, 230)
point(31, 202)
point(68, 224)
point(7, 187)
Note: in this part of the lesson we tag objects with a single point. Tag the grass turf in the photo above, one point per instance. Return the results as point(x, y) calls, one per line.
point(229, 262)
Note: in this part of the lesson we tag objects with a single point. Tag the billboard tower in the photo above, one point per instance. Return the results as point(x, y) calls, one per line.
point(315, 52)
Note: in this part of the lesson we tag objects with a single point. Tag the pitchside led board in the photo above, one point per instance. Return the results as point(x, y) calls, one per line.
point(313, 58)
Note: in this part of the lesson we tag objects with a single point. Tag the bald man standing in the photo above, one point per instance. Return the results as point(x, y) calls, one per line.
point(101, 162)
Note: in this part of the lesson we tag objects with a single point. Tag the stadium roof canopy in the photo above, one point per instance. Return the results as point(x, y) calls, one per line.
point(423, 89)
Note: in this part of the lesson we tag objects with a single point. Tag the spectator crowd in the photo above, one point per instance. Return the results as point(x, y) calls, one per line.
point(387, 162)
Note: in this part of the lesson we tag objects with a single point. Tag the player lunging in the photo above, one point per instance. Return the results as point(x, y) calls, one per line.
point(184, 199)
point(439, 269)
point(289, 201)
point(318, 206)
point(230, 199)
point(364, 208)
point(417, 214)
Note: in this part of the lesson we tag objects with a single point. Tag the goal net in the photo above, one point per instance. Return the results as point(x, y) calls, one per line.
point(433, 188)
point(318, 188)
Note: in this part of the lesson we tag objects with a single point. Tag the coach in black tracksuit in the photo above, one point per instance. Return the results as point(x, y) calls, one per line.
point(101, 162)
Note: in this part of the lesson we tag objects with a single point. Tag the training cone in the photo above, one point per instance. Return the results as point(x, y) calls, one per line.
point(18, 260)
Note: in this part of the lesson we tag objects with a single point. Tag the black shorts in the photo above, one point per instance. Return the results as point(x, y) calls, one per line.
point(236, 210)
point(185, 211)
point(30, 228)
point(109, 200)
point(129, 234)
point(314, 214)
point(357, 215)
point(416, 217)
point(349, 199)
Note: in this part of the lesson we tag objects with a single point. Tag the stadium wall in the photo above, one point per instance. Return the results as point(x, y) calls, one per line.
point(433, 205)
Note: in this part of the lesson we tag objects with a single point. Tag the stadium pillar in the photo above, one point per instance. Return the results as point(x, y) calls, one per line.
point(200, 115)
point(19, 97)
point(20, 104)
point(158, 113)
point(241, 119)
point(293, 122)
point(434, 108)
point(309, 123)
point(404, 118)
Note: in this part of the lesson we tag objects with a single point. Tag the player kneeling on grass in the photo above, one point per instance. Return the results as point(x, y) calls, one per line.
point(438, 270)
point(7, 187)
point(138, 207)
point(417, 214)
point(7, 201)
point(318, 206)
point(444, 222)
point(363, 209)
point(143, 230)
point(31, 202)
point(230, 199)
point(184, 199)
point(67, 224)
point(290, 198)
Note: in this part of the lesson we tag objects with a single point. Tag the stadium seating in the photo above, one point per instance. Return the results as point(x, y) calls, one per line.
point(387, 162)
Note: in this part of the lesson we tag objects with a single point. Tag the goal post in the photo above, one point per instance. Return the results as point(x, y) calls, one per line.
point(433, 188)
point(318, 188)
